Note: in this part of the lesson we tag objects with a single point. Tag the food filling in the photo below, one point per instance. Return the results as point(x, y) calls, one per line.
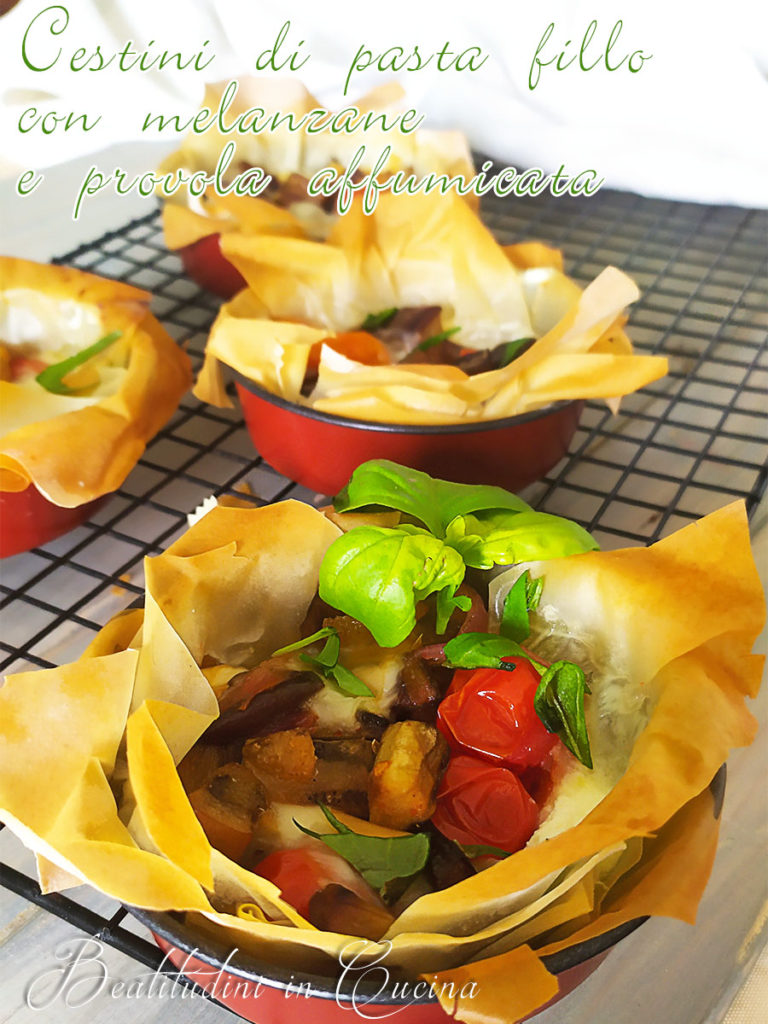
point(412, 334)
point(53, 345)
point(401, 744)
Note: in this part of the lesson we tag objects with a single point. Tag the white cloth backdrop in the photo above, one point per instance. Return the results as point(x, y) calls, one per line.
point(691, 124)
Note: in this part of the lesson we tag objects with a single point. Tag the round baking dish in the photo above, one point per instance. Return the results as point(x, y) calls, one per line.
point(260, 992)
point(321, 450)
point(204, 262)
point(28, 520)
point(272, 992)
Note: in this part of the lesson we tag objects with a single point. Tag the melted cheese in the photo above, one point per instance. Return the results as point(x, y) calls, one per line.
point(337, 713)
point(616, 712)
point(56, 327)
point(50, 329)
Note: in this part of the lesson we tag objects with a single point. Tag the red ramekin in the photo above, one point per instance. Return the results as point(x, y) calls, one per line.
point(320, 450)
point(205, 264)
point(27, 519)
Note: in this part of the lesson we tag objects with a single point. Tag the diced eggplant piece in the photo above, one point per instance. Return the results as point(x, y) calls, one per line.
point(354, 751)
point(294, 190)
point(447, 863)
point(200, 763)
point(442, 353)
point(343, 767)
point(271, 710)
point(471, 361)
point(373, 726)
point(289, 754)
point(418, 691)
point(408, 328)
point(229, 808)
point(337, 909)
point(316, 613)
point(350, 801)
point(285, 763)
point(238, 789)
point(405, 777)
point(351, 632)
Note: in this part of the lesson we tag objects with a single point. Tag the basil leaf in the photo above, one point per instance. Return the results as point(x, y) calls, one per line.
point(482, 650)
point(326, 663)
point(559, 703)
point(447, 603)
point(533, 589)
point(500, 538)
point(486, 650)
point(51, 378)
point(523, 597)
point(513, 349)
point(329, 655)
point(435, 339)
point(374, 320)
point(319, 635)
point(349, 684)
point(515, 624)
point(378, 859)
point(380, 483)
point(378, 575)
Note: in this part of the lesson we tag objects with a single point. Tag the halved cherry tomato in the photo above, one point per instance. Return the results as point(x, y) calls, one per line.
point(484, 804)
point(301, 871)
point(490, 714)
point(357, 345)
point(26, 366)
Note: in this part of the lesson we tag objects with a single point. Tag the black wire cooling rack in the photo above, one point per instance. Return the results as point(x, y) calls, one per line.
point(680, 448)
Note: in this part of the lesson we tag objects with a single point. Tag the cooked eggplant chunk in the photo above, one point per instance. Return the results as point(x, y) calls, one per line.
point(405, 777)
point(407, 328)
point(419, 690)
point(337, 909)
point(270, 710)
point(285, 763)
point(200, 763)
point(447, 863)
point(296, 768)
point(229, 808)
point(373, 726)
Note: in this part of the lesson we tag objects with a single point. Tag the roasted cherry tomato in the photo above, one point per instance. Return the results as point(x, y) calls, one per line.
point(484, 804)
point(301, 871)
point(26, 366)
point(358, 345)
point(489, 713)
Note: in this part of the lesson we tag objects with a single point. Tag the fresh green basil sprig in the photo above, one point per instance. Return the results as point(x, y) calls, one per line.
point(436, 339)
point(379, 574)
point(522, 598)
point(559, 703)
point(326, 663)
point(52, 377)
point(375, 320)
point(379, 859)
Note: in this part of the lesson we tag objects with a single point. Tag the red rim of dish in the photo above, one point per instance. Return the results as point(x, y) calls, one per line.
point(399, 428)
point(184, 937)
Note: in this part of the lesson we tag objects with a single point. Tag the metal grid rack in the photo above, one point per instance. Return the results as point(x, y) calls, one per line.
point(680, 448)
